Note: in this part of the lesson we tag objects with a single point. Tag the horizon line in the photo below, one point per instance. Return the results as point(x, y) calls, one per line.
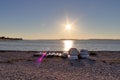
point(71, 39)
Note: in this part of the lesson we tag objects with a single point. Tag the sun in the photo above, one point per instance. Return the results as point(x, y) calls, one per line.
point(68, 27)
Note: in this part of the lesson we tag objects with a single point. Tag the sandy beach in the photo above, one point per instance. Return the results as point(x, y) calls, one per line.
point(21, 65)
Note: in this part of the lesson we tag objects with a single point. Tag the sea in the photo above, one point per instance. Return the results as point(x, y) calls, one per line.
point(60, 45)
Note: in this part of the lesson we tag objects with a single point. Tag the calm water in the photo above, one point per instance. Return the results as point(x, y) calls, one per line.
point(64, 45)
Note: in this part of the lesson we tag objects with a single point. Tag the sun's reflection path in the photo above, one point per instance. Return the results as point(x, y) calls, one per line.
point(68, 44)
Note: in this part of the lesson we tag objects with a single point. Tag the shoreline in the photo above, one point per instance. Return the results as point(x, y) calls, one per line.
point(22, 65)
point(51, 50)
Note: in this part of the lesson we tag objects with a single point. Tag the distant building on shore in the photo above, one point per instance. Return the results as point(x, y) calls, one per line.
point(7, 38)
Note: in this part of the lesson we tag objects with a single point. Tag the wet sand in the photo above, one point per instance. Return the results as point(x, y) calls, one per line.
point(21, 65)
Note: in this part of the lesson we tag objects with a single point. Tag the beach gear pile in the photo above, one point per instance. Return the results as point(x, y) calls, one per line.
point(73, 53)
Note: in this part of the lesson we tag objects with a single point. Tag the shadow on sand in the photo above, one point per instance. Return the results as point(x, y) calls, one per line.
point(82, 62)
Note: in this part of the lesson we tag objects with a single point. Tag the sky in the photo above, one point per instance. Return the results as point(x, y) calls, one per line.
point(47, 19)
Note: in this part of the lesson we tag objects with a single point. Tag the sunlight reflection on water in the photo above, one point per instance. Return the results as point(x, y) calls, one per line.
point(68, 44)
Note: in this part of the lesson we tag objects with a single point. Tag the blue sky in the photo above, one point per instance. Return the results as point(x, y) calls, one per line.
point(43, 19)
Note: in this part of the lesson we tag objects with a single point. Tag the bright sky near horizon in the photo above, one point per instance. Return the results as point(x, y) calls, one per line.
point(57, 19)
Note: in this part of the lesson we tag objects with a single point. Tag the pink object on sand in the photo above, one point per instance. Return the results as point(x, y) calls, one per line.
point(41, 58)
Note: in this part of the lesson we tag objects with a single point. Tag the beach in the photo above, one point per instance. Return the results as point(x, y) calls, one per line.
point(22, 65)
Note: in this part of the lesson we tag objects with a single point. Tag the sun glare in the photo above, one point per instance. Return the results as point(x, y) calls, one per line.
point(68, 27)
